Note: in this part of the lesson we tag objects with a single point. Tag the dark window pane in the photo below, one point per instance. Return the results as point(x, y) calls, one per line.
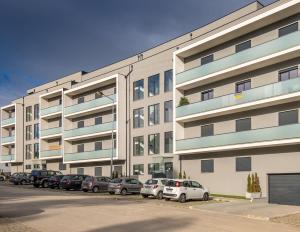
point(138, 90)
point(288, 74)
point(243, 124)
point(98, 145)
point(80, 171)
point(138, 146)
point(207, 130)
point(169, 142)
point(243, 164)
point(153, 144)
point(168, 111)
point(98, 171)
point(98, 120)
point(207, 59)
point(138, 118)
point(243, 86)
point(153, 115)
point(80, 148)
point(207, 165)
point(243, 46)
point(206, 95)
point(288, 29)
point(168, 84)
point(288, 117)
point(80, 100)
point(80, 124)
point(153, 85)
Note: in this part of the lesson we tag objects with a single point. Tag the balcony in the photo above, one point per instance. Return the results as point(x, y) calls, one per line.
point(51, 132)
point(90, 131)
point(9, 121)
point(7, 140)
point(89, 155)
point(272, 136)
point(268, 53)
point(89, 106)
point(7, 158)
point(51, 111)
point(54, 153)
point(259, 97)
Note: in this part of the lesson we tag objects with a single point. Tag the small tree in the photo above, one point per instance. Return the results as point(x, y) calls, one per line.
point(180, 175)
point(252, 183)
point(184, 175)
point(183, 101)
point(249, 188)
point(257, 184)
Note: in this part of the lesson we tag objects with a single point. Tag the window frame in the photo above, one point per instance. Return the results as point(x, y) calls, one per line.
point(150, 87)
point(287, 26)
point(242, 82)
point(156, 113)
point(168, 111)
point(205, 92)
point(156, 145)
point(138, 119)
point(168, 79)
point(241, 119)
point(239, 169)
point(206, 125)
point(207, 169)
point(286, 111)
point(240, 49)
point(207, 62)
point(141, 94)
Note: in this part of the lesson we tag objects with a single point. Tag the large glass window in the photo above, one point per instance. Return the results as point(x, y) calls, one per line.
point(243, 124)
point(153, 85)
point(98, 145)
point(80, 100)
point(168, 84)
point(28, 113)
point(98, 120)
point(138, 169)
point(80, 124)
point(242, 86)
point(36, 111)
point(138, 90)
point(206, 95)
point(138, 118)
point(80, 171)
point(207, 59)
point(207, 130)
point(207, 165)
point(242, 46)
point(168, 111)
point(288, 74)
point(98, 171)
point(152, 168)
point(153, 144)
point(288, 29)
point(153, 115)
point(28, 151)
point(62, 166)
point(138, 146)
point(28, 130)
point(288, 117)
point(36, 131)
point(36, 150)
point(80, 148)
point(169, 142)
point(243, 164)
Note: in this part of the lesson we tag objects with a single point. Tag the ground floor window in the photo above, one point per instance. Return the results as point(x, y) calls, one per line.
point(36, 166)
point(207, 166)
point(80, 171)
point(243, 164)
point(98, 171)
point(28, 166)
point(152, 168)
point(138, 169)
point(62, 166)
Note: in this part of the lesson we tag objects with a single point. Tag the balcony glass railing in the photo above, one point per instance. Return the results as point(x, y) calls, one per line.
point(10, 139)
point(244, 137)
point(255, 94)
point(51, 131)
point(88, 155)
point(51, 110)
point(7, 158)
point(90, 130)
point(259, 51)
point(50, 153)
point(89, 104)
point(8, 121)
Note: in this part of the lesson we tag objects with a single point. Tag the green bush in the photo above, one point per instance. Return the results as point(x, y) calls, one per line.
point(184, 175)
point(183, 101)
point(253, 185)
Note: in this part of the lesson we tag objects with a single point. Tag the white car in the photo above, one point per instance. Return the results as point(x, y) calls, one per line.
point(183, 190)
point(154, 187)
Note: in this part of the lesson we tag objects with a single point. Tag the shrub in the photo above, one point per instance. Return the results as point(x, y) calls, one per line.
point(253, 185)
point(249, 184)
point(180, 175)
point(184, 175)
point(183, 101)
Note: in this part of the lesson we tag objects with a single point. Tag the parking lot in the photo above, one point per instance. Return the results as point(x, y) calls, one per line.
point(24, 208)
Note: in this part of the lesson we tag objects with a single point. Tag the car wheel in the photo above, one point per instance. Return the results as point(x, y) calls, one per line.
point(123, 192)
point(167, 199)
point(144, 196)
point(205, 197)
point(22, 182)
point(160, 195)
point(85, 190)
point(96, 189)
point(16, 183)
point(111, 193)
point(182, 198)
point(45, 184)
point(1, 178)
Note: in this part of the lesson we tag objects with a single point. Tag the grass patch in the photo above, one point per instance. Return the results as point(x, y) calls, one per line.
point(228, 196)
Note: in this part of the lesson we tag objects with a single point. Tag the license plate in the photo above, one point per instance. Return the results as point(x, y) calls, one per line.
point(147, 186)
point(169, 189)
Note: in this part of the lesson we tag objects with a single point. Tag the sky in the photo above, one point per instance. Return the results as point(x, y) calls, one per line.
point(43, 40)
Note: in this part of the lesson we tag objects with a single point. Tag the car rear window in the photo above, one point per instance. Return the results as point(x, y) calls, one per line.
point(35, 173)
point(173, 183)
point(116, 180)
point(164, 182)
point(88, 178)
point(151, 182)
point(67, 177)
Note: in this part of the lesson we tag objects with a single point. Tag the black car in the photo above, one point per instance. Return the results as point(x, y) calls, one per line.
point(72, 181)
point(20, 178)
point(41, 177)
point(54, 181)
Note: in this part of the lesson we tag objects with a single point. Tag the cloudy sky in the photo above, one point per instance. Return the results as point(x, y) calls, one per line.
point(42, 40)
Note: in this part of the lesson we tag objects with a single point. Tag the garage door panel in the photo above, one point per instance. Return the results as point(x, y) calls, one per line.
point(284, 189)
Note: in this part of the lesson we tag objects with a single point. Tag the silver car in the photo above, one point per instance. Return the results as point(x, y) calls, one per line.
point(154, 187)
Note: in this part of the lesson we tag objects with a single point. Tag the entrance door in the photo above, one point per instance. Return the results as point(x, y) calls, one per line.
point(169, 170)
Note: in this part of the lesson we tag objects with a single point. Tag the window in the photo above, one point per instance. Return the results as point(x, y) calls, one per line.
point(118, 169)
point(36, 150)
point(207, 59)
point(138, 118)
point(62, 166)
point(152, 168)
point(288, 117)
point(206, 95)
point(153, 144)
point(80, 124)
point(138, 169)
point(168, 84)
point(168, 111)
point(59, 122)
point(243, 124)
point(288, 29)
point(169, 142)
point(27, 166)
point(242, 86)
point(80, 171)
point(153, 115)
point(80, 100)
point(28, 113)
point(288, 74)
point(98, 145)
point(98, 95)
point(207, 166)
point(80, 148)
point(98, 171)
point(98, 120)
point(243, 164)
point(153, 85)
point(138, 146)
point(36, 131)
point(36, 111)
point(36, 166)
point(60, 101)
point(28, 132)
point(28, 150)
point(10, 150)
point(207, 130)
point(242, 46)
point(138, 90)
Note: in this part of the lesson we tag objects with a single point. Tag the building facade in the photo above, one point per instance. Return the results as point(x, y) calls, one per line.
point(217, 103)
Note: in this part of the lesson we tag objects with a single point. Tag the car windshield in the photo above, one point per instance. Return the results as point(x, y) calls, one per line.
point(35, 173)
point(116, 180)
point(151, 182)
point(88, 178)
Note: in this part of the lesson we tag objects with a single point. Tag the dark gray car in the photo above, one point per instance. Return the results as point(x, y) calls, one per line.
point(124, 185)
point(95, 184)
